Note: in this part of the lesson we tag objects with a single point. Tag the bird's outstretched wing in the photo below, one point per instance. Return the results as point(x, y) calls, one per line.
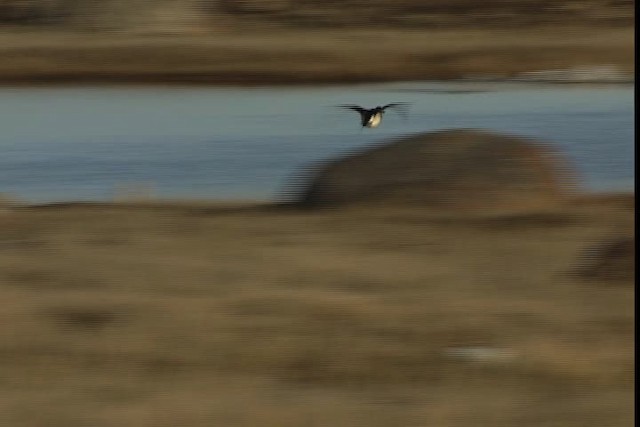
point(401, 107)
point(395, 104)
point(353, 107)
point(365, 114)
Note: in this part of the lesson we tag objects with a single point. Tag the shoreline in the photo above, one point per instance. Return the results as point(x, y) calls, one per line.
point(561, 76)
point(578, 198)
point(139, 81)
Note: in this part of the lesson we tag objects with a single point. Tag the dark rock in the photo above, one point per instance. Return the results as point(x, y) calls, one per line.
point(447, 169)
point(256, 6)
point(610, 260)
point(28, 12)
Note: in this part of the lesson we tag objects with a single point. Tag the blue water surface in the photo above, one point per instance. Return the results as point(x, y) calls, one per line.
point(89, 143)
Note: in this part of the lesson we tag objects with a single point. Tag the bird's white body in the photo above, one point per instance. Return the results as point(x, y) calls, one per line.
point(374, 120)
point(372, 117)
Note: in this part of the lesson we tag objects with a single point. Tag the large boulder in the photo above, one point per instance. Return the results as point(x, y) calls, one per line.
point(612, 260)
point(445, 169)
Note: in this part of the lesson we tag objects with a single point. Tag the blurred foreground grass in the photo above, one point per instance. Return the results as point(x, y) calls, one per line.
point(197, 315)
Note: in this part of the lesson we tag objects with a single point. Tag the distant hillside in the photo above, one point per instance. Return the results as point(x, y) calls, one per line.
point(186, 14)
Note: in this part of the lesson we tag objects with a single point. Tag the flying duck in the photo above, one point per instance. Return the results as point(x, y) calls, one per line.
point(371, 117)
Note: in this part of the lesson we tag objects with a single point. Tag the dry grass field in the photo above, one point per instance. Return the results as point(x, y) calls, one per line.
point(307, 41)
point(167, 314)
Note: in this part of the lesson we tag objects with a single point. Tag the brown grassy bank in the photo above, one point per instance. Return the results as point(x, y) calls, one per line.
point(200, 315)
point(286, 42)
point(333, 57)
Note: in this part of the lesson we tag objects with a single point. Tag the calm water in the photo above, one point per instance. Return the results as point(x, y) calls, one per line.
point(86, 143)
